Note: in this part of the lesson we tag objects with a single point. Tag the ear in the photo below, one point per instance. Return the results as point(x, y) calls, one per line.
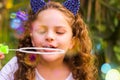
point(30, 34)
point(32, 39)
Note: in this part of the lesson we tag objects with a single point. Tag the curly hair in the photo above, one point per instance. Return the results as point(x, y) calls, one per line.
point(81, 61)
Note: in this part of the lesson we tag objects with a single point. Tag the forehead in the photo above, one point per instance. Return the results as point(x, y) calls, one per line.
point(51, 12)
point(52, 15)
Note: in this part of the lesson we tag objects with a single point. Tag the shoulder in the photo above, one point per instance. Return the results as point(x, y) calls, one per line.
point(7, 72)
point(13, 60)
point(12, 64)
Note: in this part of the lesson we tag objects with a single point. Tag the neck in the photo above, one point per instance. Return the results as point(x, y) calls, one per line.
point(51, 70)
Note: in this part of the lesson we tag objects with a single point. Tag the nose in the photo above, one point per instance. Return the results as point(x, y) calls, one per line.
point(49, 36)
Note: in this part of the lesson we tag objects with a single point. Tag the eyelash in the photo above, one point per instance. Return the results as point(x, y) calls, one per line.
point(57, 32)
point(60, 32)
point(41, 32)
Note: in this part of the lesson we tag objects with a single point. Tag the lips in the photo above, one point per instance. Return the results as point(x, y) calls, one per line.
point(50, 48)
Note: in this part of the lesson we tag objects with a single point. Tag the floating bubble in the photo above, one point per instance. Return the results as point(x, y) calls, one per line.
point(98, 46)
point(113, 74)
point(16, 23)
point(22, 15)
point(105, 68)
point(20, 30)
point(13, 15)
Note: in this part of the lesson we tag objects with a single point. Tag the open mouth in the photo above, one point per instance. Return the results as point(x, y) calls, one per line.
point(49, 49)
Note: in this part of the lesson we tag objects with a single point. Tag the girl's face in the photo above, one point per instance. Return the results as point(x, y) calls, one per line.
point(51, 29)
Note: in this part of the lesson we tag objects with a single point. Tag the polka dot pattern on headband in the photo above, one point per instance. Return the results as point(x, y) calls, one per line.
point(72, 5)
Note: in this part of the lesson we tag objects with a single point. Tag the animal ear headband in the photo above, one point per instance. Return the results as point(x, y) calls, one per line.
point(71, 5)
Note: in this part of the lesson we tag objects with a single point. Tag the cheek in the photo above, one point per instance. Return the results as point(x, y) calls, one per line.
point(66, 40)
point(66, 43)
point(36, 40)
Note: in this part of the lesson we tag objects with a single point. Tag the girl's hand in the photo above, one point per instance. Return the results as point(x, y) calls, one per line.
point(1, 56)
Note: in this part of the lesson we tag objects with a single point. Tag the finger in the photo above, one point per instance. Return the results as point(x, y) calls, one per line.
point(2, 56)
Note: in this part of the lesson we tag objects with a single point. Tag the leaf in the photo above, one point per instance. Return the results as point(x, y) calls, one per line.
point(101, 27)
point(115, 21)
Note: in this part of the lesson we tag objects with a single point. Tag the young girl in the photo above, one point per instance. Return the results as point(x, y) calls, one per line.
point(57, 26)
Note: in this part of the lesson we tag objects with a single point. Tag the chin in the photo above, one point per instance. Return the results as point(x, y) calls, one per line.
point(52, 57)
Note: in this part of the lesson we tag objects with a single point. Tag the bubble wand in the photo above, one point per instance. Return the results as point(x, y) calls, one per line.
point(5, 49)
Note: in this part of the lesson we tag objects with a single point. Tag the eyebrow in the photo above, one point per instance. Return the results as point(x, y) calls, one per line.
point(59, 26)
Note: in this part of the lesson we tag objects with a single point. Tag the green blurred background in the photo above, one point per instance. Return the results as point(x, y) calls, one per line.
point(102, 18)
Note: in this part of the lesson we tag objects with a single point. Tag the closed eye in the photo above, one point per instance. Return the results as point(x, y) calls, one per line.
point(59, 32)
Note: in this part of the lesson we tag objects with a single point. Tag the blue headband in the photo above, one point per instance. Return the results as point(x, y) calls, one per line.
point(71, 5)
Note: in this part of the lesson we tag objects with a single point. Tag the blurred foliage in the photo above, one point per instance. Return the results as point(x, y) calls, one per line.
point(101, 16)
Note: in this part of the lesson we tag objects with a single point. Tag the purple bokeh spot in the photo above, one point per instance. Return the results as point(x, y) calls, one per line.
point(32, 57)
